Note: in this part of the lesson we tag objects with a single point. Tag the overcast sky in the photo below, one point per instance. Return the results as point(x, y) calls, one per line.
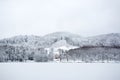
point(40, 17)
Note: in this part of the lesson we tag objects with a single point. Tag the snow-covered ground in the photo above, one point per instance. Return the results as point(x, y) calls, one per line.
point(59, 71)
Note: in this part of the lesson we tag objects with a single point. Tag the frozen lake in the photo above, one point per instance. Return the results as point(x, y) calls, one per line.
point(59, 71)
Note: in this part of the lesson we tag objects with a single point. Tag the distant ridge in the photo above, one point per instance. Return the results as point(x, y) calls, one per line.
point(67, 38)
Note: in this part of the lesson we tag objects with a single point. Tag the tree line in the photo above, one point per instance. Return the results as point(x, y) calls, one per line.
point(22, 54)
point(93, 54)
point(10, 53)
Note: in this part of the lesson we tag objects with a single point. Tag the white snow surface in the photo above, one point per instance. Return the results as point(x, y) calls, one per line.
point(59, 71)
point(62, 44)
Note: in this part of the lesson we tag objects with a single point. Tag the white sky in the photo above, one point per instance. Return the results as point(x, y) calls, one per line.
point(40, 17)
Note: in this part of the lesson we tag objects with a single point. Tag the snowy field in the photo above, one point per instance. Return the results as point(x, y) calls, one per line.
point(59, 71)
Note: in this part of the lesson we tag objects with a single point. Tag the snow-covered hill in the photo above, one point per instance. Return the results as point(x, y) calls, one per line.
point(61, 35)
point(63, 39)
point(70, 38)
point(55, 46)
point(112, 39)
point(37, 41)
point(60, 43)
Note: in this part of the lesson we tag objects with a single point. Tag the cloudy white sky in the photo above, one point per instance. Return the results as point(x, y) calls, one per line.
point(39, 17)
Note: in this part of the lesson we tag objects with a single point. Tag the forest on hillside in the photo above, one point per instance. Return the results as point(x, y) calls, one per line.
point(83, 54)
